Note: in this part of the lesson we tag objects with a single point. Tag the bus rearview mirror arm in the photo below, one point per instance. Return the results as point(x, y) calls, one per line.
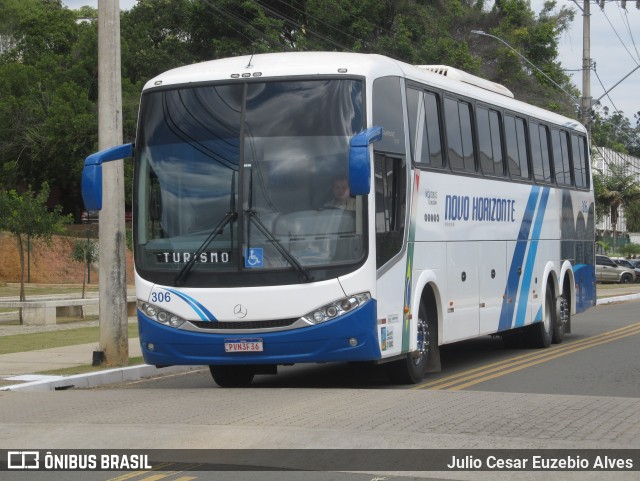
point(92, 173)
point(359, 161)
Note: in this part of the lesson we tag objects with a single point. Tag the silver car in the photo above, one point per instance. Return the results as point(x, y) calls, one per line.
point(609, 271)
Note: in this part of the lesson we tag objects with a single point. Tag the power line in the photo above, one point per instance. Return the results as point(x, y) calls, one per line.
point(615, 30)
point(604, 88)
point(299, 26)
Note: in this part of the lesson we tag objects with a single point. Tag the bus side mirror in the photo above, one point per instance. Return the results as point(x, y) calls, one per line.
point(360, 162)
point(92, 174)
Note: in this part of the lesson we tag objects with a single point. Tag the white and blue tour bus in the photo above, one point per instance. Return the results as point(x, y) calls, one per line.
point(467, 213)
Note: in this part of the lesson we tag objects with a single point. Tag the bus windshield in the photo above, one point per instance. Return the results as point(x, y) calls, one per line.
point(248, 178)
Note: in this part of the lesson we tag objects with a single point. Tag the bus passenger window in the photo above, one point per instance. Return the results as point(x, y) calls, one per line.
point(514, 130)
point(432, 122)
point(539, 138)
point(391, 190)
point(561, 157)
point(580, 164)
point(459, 135)
point(424, 126)
point(489, 143)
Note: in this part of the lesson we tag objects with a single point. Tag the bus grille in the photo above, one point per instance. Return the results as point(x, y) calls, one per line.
point(231, 325)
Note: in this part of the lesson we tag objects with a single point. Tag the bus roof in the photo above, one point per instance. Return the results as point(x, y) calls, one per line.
point(291, 64)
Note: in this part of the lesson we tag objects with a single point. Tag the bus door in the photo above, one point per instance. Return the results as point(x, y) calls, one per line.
point(391, 253)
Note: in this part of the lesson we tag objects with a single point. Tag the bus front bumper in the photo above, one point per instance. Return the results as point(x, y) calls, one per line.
point(351, 337)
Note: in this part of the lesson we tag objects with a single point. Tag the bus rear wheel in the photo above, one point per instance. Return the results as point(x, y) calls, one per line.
point(411, 369)
point(540, 334)
point(232, 376)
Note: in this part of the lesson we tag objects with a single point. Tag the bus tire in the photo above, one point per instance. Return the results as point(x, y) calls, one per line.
point(560, 324)
point(411, 369)
point(540, 334)
point(232, 376)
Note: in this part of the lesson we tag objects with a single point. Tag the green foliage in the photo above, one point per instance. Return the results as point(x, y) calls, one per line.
point(614, 190)
point(606, 247)
point(616, 132)
point(85, 251)
point(48, 62)
point(536, 38)
point(26, 216)
point(630, 249)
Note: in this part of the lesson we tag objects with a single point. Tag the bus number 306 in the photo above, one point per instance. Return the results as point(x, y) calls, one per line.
point(160, 297)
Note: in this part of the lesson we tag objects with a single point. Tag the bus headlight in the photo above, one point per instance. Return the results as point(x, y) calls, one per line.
point(337, 308)
point(160, 315)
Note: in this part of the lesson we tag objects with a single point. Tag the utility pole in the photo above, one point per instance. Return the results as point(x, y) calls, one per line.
point(114, 342)
point(585, 110)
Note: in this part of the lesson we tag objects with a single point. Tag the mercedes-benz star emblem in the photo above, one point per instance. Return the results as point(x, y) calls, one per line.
point(240, 311)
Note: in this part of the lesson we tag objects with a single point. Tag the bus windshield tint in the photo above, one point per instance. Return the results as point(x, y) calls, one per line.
point(271, 157)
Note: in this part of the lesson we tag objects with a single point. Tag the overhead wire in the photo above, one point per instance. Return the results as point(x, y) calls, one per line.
point(244, 23)
point(615, 30)
point(319, 21)
point(604, 88)
point(298, 25)
point(625, 20)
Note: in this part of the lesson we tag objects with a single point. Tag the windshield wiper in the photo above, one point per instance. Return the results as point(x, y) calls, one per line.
point(229, 217)
point(306, 276)
point(219, 229)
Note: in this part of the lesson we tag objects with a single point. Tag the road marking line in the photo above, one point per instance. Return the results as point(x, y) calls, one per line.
point(159, 467)
point(140, 473)
point(526, 360)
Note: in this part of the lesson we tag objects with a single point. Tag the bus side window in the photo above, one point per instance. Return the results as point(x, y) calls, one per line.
point(457, 116)
point(514, 131)
point(580, 164)
point(391, 189)
point(489, 143)
point(424, 127)
point(539, 140)
point(561, 157)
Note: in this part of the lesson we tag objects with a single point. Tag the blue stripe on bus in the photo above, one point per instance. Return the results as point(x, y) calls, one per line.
point(202, 311)
point(506, 315)
point(523, 301)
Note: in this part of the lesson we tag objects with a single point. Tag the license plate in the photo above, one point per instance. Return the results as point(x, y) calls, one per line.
point(243, 345)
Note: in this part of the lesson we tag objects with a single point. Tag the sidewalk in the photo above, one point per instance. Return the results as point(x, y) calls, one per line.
point(24, 367)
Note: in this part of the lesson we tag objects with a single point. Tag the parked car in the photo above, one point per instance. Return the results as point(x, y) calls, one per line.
point(609, 271)
point(621, 261)
point(635, 263)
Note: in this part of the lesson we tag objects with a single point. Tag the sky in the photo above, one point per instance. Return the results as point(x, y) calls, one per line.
point(615, 49)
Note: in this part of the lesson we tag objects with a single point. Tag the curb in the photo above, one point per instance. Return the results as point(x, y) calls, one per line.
point(610, 300)
point(100, 378)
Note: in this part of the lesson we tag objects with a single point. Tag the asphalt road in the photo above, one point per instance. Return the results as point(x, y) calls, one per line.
point(600, 357)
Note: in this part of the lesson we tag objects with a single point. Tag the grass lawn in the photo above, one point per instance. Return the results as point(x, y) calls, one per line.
point(46, 340)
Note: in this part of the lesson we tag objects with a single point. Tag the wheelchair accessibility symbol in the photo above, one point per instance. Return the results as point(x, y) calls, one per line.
point(253, 257)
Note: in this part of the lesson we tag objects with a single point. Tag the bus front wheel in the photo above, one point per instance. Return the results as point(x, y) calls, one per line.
point(232, 376)
point(411, 369)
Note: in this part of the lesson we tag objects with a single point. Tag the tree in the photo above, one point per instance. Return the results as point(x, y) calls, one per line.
point(86, 252)
point(615, 132)
point(536, 38)
point(615, 189)
point(26, 216)
point(47, 106)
